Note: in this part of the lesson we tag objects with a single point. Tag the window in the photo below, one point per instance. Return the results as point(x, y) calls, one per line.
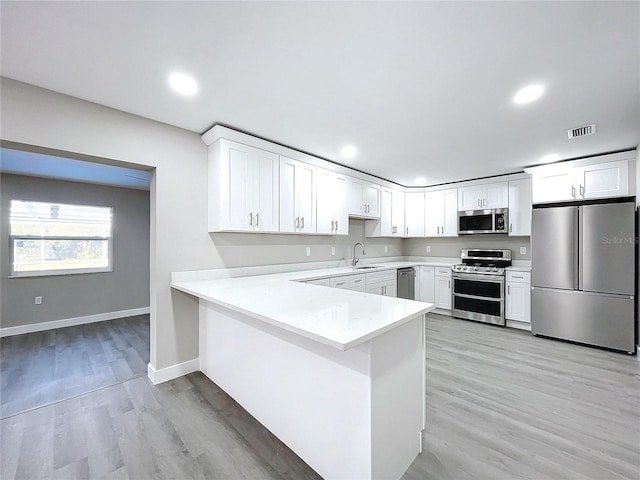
point(56, 239)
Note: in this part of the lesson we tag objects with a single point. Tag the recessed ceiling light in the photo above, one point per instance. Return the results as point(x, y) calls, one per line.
point(550, 157)
point(528, 94)
point(348, 151)
point(420, 180)
point(183, 84)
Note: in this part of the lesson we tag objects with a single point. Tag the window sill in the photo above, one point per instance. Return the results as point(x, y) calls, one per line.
point(57, 273)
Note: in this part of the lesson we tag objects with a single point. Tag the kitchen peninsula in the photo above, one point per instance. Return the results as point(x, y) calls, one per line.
point(337, 375)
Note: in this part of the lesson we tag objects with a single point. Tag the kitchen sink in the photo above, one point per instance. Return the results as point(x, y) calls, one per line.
point(367, 267)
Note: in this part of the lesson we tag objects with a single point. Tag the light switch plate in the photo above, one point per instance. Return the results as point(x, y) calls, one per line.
point(385, 249)
point(428, 248)
point(308, 251)
point(523, 250)
point(333, 250)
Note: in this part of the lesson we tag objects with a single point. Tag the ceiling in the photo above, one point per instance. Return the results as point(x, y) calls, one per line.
point(48, 166)
point(422, 89)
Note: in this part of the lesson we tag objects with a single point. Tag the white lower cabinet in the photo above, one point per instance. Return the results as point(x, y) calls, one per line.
point(323, 282)
point(518, 301)
point(382, 283)
point(442, 288)
point(426, 282)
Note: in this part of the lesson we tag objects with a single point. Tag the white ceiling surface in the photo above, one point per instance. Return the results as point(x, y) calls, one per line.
point(40, 165)
point(420, 88)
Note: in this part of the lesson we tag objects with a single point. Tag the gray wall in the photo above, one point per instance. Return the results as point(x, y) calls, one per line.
point(68, 296)
point(451, 246)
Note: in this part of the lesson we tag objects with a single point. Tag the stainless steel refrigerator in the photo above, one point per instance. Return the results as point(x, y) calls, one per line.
point(583, 273)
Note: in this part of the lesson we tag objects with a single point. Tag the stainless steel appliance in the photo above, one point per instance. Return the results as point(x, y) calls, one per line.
point(494, 220)
point(583, 268)
point(406, 283)
point(478, 285)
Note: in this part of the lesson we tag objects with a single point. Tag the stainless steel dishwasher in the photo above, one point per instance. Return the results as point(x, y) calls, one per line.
point(407, 283)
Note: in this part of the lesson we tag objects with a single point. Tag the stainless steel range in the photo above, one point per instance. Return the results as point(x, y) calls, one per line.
point(478, 285)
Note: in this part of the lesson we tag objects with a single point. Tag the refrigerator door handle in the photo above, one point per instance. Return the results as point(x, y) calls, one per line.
point(580, 250)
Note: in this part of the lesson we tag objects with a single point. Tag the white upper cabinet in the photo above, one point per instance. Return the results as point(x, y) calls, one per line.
point(603, 180)
point(489, 195)
point(243, 188)
point(520, 207)
point(297, 196)
point(391, 223)
point(363, 198)
point(598, 177)
point(441, 213)
point(414, 216)
point(332, 218)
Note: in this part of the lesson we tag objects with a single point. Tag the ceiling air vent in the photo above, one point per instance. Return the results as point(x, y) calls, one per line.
point(582, 131)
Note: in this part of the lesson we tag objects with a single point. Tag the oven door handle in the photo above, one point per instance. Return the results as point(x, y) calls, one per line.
point(476, 297)
point(479, 277)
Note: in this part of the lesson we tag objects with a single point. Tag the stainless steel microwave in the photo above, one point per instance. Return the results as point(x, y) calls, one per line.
point(471, 222)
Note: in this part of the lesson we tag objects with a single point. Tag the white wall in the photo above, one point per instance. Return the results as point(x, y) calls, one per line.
point(37, 119)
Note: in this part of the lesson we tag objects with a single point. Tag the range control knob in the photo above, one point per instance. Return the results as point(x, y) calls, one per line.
point(495, 269)
point(475, 268)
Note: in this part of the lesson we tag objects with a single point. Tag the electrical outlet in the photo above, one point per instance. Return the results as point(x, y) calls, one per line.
point(523, 250)
point(385, 249)
point(308, 252)
point(333, 250)
point(428, 248)
point(38, 300)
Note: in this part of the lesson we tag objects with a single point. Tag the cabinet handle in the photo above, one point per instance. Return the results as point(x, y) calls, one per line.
point(257, 219)
point(303, 222)
point(573, 191)
point(336, 225)
point(510, 227)
point(358, 280)
point(442, 230)
point(514, 276)
point(438, 230)
point(384, 290)
point(332, 227)
point(478, 202)
point(394, 229)
point(407, 229)
point(339, 283)
point(508, 289)
point(581, 190)
point(449, 283)
point(297, 225)
point(251, 219)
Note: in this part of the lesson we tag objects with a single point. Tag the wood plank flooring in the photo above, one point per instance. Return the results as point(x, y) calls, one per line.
point(45, 367)
point(501, 405)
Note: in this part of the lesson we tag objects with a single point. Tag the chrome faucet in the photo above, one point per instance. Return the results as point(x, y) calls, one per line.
point(356, 259)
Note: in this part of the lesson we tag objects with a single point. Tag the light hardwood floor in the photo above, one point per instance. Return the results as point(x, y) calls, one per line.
point(501, 404)
point(45, 367)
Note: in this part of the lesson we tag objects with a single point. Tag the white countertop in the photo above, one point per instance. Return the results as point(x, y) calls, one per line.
point(336, 317)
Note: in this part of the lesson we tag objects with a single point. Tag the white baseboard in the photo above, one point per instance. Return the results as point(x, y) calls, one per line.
point(70, 322)
point(174, 371)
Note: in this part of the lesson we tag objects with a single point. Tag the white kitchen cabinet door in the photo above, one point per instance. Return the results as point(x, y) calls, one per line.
point(518, 299)
point(391, 222)
point(363, 198)
point(470, 198)
point(603, 180)
point(332, 216)
point(443, 292)
point(489, 195)
point(450, 227)
point(426, 280)
point(414, 208)
point(520, 207)
point(441, 213)
point(243, 188)
point(434, 213)
point(297, 196)
point(553, 183)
